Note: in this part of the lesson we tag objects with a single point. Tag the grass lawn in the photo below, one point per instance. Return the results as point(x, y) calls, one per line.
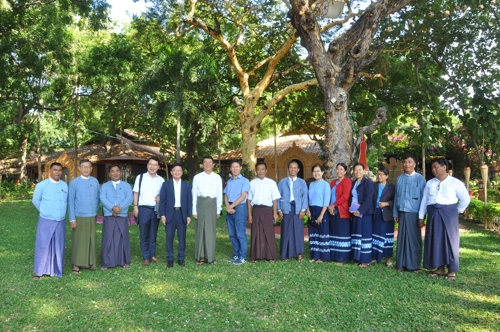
point(286, 296)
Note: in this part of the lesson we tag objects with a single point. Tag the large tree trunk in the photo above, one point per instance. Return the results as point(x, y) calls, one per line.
point(338, 145)
point(248, 155)
point(24, 153)
point(338, 68)
point(191, 159)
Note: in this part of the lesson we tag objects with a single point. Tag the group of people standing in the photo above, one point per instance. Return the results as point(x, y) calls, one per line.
point(348, 219)
point(362, 215)
point(53, 198)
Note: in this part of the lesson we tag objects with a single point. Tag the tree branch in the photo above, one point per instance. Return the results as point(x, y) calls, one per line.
point(380, 117)
point(266, 109)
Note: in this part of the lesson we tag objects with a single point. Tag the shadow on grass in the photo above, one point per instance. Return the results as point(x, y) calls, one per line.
point(263, 296)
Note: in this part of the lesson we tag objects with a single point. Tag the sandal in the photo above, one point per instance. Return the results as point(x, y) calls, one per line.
point(417, 271)
point(104, 268)
point(213, 263)
point(448, 277)
point(35, 277)
point(319, 261)
point(389, 264)
point(312, 260)
point(254, 261)
point(300, 259)
point(436, 274)
point(126, 266)
point(364, 265)
point(76, 270)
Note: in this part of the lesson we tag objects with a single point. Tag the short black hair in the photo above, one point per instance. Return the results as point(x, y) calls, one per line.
point(177, 165)
point(384, 170)
point(114, 165)
point(293, 162)
point(235, 161)
point(441, 161)
point(155, 158)
point(409, 155)
point(55, 164)
point(317, 165)
point(209, 157)
point(260, 163)
point(359, 164)
point(344, 166)
point(85, 161)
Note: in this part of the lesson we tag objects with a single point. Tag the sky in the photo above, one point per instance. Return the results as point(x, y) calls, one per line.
point(122, 10)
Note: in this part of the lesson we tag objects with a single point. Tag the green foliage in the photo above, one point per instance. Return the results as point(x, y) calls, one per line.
point(284, 296)
point(476, 210)
point(15, 191)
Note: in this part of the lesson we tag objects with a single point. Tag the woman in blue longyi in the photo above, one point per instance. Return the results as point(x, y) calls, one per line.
point(319, 197)
point(361, 227)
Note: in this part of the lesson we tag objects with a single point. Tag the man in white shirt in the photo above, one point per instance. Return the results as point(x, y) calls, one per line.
point(207, 203)
point(262, 213)
point(146, 194)
point(444, 198)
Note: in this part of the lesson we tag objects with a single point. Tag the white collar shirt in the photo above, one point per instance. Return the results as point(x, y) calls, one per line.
point(263, 192)
point(447, 192)
point(177, 193)
point(150, 188)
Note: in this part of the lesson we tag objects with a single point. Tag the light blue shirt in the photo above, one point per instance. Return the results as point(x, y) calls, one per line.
point(333, 193)
point(83, 197)
point(379, 194)
point(319, 193)
point(51, 199)
point(236, 187)
point(120, 196)
point(409, 193)
point(299, 194)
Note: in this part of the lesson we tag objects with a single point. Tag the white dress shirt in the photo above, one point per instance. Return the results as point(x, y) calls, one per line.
point(207, 185)
point(263, 192)
point(150, 188)
point(177, 193)
point(447, 192)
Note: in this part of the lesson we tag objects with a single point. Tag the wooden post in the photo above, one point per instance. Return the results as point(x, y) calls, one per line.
point(484, 176)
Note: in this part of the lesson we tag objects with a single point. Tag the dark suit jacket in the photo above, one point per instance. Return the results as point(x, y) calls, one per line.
point(167, 200)
point(387, 196)
point(365, 196)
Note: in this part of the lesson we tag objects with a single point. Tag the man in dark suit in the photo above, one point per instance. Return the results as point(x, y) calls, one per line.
point(176, 205)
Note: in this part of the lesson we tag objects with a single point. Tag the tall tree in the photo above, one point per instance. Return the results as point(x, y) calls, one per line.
point(258, 46)
point(34, 43)
point(338, 67)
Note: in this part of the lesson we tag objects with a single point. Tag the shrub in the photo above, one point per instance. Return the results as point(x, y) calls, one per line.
point(22, 190)
point(476, 211)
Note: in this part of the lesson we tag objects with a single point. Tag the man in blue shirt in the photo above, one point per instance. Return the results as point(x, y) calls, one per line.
point(235, 199)
point(50, 199)
point(292, 208)
point(116, 197)
point(409, 192)
point(83, 201)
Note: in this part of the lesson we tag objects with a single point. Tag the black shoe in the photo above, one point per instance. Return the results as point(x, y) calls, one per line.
point(170, 264)
point(181, 262)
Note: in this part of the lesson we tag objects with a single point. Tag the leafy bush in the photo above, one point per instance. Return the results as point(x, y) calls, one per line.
point(476, 211)
point(21, 190)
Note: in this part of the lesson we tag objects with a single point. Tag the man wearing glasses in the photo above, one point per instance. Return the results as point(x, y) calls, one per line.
point(146, 194)
point(83, 201)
